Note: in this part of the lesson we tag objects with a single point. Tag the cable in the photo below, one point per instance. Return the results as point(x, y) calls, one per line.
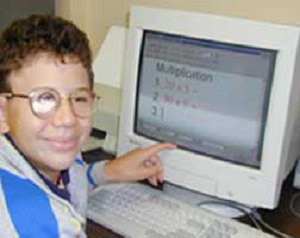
point(252, 213)
point(269, 227)
point(241, 208)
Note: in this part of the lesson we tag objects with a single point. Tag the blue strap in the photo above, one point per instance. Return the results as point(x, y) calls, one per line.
point(89, 174)
point(79, 161)
point(29, 207)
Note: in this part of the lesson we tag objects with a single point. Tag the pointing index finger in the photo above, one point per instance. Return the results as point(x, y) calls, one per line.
point(160, 147)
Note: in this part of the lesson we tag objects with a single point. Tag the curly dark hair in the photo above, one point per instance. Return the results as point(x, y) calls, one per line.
point(28, 37)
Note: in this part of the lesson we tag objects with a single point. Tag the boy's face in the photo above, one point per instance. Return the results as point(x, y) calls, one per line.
point(49, 144)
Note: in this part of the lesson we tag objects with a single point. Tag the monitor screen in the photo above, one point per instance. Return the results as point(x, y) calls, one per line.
point(207, 97)
point(225, 90)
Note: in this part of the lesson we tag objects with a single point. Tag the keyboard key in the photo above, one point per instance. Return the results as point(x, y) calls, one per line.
point(136, 210)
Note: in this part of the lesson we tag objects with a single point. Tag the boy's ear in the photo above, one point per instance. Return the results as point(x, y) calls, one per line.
point(4, 128)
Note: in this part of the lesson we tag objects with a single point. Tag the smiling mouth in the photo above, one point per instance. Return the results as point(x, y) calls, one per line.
point(62, 145)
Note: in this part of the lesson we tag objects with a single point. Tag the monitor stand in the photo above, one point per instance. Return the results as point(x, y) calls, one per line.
point(211, 203)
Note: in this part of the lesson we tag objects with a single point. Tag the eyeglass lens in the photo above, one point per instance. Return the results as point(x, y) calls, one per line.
point(45, 102)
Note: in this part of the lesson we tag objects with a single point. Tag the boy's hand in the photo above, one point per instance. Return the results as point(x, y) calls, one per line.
point(139, 164)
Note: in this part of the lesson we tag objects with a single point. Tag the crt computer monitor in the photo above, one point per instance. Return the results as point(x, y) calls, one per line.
point(225, 90)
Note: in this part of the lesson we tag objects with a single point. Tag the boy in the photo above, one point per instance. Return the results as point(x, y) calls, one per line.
point(46, 104)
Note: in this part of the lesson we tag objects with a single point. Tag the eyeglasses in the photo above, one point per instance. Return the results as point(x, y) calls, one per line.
point(44, 102)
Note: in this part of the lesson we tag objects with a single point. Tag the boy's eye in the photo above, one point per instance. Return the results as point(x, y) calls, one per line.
point(46, 97)
point(81, 99)
point(44, 102)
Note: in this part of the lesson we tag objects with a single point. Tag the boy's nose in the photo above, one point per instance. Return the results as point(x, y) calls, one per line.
point(64, 116)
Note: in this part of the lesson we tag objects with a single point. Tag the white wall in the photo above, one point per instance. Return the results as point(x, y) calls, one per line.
point(96, 16)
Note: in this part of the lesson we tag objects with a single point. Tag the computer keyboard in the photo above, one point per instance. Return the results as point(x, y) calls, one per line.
point(139, 211)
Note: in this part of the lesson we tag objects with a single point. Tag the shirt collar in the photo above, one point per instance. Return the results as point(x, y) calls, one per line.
point(65, 177)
